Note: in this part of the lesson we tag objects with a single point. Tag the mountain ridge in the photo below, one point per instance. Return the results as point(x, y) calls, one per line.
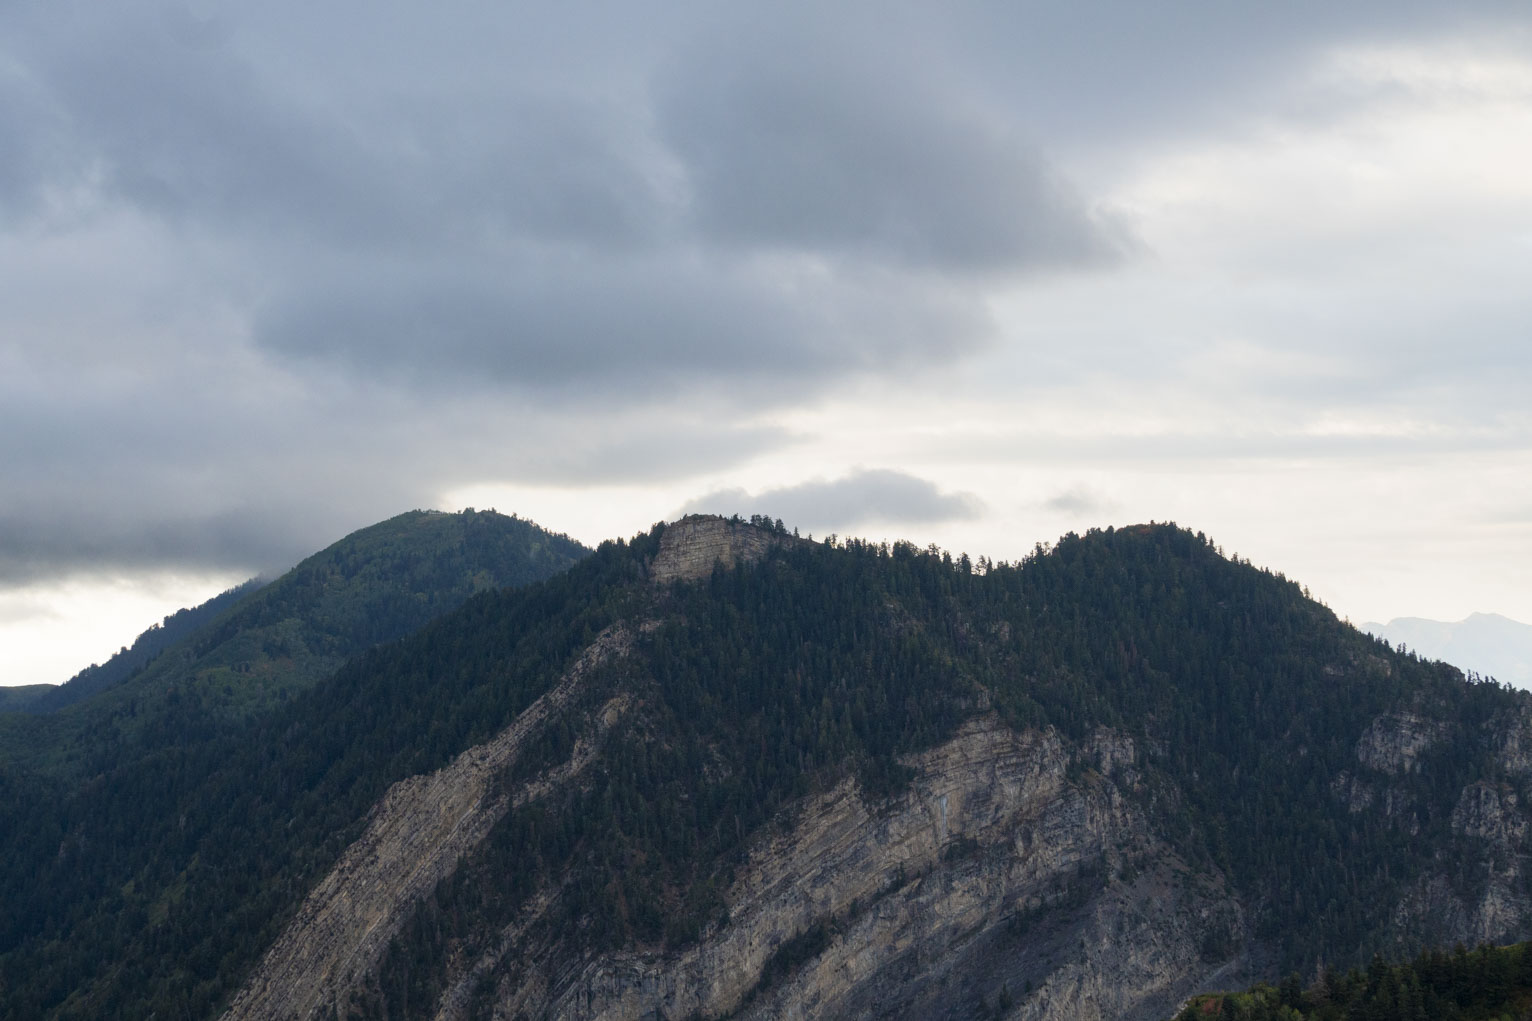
point(257, 644)
point(1487, 643)
point(146, 647)
point(1223, 779)
point(618, 998)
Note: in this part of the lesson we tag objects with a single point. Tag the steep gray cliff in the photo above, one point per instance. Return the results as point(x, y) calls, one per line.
point(418, 833)
point(1394, 743)
point(1013, 872)
point(692, 547)
point(1481, 889)
point(1018, 874)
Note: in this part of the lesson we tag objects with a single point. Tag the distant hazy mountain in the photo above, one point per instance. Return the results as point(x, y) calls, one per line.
point(1485, 643)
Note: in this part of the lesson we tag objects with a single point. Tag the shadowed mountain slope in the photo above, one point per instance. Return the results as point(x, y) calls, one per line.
point(23, 696)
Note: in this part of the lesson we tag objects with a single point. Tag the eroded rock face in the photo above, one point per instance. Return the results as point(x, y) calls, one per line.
point(996, 878)
point(1513, 738)
point(1481, 895)
point(692, 547)
point(1394, 742)
point(418, 832)
point(1491, 812)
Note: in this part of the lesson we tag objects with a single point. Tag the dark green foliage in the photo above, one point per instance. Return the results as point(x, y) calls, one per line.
point(763, 684)
point(1485, 984)
point(1254, 698)
point(773, 681)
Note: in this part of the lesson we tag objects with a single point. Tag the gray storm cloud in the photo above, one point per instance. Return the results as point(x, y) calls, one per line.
point(213, 483)
point(1078, 499)
point(540, 237)
point(633, 331)
point(825, 151)
point(330, 261)
point(864, 497)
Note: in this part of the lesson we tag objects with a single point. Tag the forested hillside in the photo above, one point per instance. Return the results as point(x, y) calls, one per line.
point(87, 791)
point(1253, 762)
point(768, 683)
point(22, 696)
point(257, 645)
point(1484, 984)
point(153, 887)
point(147, 647)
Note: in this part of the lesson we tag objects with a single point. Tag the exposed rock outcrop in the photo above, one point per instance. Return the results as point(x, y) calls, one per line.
point(1513, 739)
point(692, 547)
point(1491, 812)
point(1394, 742)
point(1481, 895)
point(417, 834)
point(996, 878)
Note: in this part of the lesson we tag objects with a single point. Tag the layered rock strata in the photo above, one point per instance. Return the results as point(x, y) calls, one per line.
point(418, 832)
point(996, 880)
point(692, 547)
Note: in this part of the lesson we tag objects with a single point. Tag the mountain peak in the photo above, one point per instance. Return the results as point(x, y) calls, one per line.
point(1488, 643)
point(691, 546)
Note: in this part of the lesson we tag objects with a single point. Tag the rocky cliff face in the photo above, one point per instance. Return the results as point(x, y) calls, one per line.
point(1394, 743)
point(1513, 742)
point(418, 833)
point(1013, 875)
point(1482, 892)
point(1016, 875)
point(692, 547)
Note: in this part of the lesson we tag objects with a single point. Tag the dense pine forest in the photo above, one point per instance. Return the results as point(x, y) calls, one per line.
point(151, 888)
point(1484, 984)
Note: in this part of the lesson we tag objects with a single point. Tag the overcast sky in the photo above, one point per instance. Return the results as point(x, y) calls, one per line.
point(974, 276)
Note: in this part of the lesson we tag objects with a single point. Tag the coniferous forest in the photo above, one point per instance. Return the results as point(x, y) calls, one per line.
point(148, 882)
point(1484, 984)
